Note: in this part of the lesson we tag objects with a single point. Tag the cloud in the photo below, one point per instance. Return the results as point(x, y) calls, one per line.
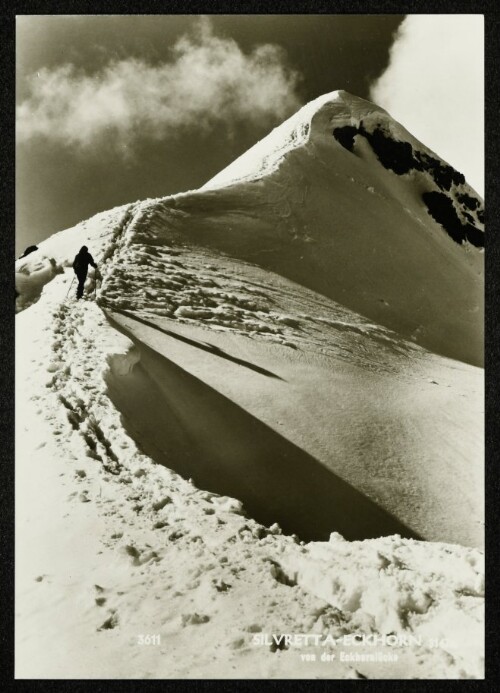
point(209, 80)
point(434, 86)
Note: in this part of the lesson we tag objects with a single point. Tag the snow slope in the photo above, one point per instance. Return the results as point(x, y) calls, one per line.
point(261, 359)
point(313, 372)
point(354, 223)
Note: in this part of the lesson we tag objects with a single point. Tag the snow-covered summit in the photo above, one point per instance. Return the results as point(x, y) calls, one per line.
point(343, 199)
point(344, 115)
point(266, 155)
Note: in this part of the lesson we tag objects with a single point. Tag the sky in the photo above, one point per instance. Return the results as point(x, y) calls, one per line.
point(113, 109)
point(437, 69)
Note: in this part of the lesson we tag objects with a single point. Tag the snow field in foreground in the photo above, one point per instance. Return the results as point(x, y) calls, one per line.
point(154, 554)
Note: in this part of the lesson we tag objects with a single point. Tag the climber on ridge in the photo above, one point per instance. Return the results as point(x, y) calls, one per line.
point(81, 265)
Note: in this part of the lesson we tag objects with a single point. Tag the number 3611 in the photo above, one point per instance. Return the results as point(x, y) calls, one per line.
point(148, 639)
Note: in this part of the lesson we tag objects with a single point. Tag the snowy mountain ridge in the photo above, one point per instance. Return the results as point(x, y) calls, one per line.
point(258, 425)
point(344, 201)
point(347, 116)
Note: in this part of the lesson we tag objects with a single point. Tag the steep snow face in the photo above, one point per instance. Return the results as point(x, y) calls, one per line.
point(343, 200)
point(350, 119)
point(258, 349)
point(346, 117)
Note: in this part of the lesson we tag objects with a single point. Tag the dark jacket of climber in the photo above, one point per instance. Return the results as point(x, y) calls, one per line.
point(81, 266)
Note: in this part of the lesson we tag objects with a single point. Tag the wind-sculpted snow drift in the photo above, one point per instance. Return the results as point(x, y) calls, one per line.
point(299, 339)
